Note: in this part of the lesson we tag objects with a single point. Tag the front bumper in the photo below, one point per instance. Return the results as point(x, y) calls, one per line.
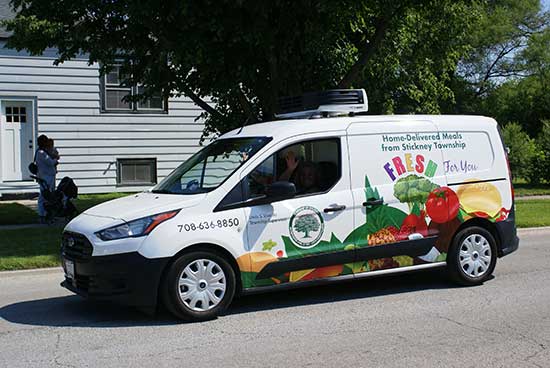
point(127, 278)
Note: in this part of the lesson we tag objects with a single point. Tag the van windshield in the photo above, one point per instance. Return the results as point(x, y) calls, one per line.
point(210, 167)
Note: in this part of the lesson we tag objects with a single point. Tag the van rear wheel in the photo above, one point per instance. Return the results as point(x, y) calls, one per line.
point(198, 286)
point(472, 256)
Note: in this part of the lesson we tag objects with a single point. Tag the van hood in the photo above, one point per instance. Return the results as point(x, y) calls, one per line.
point(143, 204)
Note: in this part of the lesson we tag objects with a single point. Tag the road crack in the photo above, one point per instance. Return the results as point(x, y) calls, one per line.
point(57, 355)
point(541, 347)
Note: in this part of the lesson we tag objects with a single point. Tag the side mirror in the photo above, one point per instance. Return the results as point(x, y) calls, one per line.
point(281, 190)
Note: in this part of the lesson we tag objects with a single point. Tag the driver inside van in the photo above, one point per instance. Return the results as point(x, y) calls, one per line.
point(292, 156)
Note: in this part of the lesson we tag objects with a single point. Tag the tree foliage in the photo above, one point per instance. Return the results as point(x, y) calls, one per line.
point(235, 58)
point(523, 150)
point(500, 32)
point(506, 74)
point(541, 163)
point(411, 73)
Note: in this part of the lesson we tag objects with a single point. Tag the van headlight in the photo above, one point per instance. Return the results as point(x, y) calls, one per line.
point(135, 228)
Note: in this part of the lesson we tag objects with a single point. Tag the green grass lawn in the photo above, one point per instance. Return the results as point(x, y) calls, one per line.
point(533, 213)
point(524, 189)
point(30, 248)
point(15, 214)
point(36, 247)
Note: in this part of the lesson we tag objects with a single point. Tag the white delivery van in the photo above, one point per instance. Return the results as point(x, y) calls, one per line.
point(298, 202)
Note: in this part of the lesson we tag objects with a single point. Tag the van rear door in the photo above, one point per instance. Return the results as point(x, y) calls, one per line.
point(475, 163)
point(395, 165)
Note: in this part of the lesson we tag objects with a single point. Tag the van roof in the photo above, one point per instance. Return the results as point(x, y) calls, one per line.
point(280, 129)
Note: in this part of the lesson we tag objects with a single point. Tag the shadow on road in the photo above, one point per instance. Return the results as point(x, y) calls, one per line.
point(73, 311)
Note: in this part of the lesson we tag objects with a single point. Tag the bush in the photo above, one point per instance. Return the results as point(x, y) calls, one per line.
point(543, 144)
point(523, 152)
point(537, 169)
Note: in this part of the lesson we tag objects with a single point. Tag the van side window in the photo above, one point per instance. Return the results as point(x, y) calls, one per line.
point(313, 166)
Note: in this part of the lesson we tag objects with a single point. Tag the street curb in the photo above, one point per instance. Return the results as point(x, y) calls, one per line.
point(31, 272)
point(533, 229)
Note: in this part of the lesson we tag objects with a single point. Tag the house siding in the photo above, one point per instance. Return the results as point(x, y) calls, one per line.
point(68, 109)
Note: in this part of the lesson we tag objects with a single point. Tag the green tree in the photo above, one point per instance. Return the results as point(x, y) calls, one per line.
point(244, 54)
point(412, 73)
point(541, 163)
point(502, 29)
point(505, 74)
point(523, 150)
point(306, 223)
point(527, 99)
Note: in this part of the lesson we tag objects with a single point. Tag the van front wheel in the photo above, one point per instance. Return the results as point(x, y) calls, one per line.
point(198, 286)
point(472, 256)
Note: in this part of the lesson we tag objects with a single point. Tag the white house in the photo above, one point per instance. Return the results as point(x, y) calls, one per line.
point(106, 145)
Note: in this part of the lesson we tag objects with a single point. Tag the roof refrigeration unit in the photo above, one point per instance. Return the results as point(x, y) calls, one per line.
point(335, 102)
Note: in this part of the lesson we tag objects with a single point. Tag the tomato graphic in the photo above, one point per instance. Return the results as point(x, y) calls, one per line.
point(442, 205)
point(414, 224)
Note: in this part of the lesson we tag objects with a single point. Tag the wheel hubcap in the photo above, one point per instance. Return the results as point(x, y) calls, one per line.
point(202, 285)
point(475, 255)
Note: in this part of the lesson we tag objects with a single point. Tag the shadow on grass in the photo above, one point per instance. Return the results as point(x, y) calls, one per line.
point(73, 311)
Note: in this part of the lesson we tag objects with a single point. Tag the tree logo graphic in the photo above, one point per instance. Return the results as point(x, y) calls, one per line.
point(306, 227)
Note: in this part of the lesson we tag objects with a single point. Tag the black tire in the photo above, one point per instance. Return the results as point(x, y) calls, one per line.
point(466, 275)
point(170, 289)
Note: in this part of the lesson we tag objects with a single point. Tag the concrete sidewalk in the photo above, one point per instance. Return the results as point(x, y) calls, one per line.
point(530, 198)
point(31, 203)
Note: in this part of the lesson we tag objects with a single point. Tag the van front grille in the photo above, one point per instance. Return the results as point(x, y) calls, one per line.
point(76, 246)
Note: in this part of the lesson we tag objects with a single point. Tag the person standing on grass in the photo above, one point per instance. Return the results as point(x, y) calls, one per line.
point(46, 171)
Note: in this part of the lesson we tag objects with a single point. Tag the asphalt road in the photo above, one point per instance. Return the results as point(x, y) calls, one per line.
point(415, 320)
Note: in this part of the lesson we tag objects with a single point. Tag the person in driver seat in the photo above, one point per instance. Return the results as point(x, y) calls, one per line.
point(292, 156)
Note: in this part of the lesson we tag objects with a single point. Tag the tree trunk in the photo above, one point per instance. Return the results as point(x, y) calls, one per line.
point(365, 53)
point(201, 103)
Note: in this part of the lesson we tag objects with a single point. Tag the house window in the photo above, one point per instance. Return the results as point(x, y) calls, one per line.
point(136, 171)
point(16, 114)
point(114, 90)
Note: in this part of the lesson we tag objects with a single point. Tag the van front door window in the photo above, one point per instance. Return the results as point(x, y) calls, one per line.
point(312, 166)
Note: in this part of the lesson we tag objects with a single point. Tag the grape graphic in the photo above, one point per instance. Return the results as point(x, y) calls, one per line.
point(305, 224)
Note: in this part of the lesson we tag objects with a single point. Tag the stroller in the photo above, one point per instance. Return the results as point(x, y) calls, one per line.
point(58, 202)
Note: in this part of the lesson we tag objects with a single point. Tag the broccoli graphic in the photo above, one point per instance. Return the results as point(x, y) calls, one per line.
point(306, 223)
point(413, 189)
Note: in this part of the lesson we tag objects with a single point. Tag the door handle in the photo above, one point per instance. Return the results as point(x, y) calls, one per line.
point(373, 202)
point(334, 209)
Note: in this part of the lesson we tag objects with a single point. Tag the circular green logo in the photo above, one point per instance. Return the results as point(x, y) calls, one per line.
point(306, 227)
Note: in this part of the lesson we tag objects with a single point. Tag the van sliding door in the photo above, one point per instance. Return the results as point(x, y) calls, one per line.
point(396, 172)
